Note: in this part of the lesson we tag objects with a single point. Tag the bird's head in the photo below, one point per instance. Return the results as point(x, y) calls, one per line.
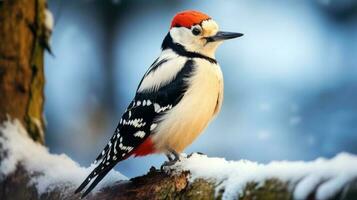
point(197, 32)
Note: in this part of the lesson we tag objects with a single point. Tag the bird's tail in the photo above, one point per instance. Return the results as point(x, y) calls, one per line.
point(97, 174)
point(86, 181)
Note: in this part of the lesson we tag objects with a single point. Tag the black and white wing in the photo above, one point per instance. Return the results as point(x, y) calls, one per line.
point(138, 121)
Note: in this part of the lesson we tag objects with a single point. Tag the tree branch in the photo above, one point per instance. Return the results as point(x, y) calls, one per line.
point(157, 184)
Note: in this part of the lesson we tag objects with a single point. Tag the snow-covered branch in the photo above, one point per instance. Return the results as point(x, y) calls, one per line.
point(47, 172)
point(28, 170)
point(325, 178)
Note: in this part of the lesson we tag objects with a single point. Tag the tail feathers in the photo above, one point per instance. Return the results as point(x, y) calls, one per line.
point(86, 181)
point(98, 174)
point(105, 150)
point(101, 155)
point(96, 181)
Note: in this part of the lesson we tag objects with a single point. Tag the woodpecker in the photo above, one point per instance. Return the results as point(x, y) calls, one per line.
point(176, 99)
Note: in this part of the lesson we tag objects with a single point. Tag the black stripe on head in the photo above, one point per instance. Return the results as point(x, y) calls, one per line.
point(168, 43)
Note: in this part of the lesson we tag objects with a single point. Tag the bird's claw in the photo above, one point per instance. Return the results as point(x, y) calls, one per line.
point(173, 158)
point(168, 164)
point(199, 153)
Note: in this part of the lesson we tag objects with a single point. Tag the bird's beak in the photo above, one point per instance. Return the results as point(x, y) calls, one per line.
point(221, 35)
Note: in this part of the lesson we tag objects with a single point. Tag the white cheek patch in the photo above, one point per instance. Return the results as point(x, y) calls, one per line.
point(210, 27)
point(192, 43)
point(182, 35)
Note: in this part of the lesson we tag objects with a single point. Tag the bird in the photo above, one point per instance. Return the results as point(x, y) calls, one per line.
point(180, 93)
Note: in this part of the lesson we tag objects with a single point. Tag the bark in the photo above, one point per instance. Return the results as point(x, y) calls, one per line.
point(158, 185)
point(21, 64)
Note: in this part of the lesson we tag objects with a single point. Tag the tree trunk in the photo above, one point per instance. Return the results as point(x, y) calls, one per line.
point(21, 64)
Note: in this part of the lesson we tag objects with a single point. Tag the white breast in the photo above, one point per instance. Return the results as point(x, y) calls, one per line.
point(202, 100)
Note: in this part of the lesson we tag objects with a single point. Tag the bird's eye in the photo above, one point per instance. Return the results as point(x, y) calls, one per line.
point(196, 31)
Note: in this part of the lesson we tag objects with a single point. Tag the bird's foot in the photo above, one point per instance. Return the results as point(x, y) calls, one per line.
point(173, 157)
point(167, 165)
point(199, 153)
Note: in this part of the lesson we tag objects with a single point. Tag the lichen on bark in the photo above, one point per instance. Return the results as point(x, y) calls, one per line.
point(34, 117)
point(271, 189)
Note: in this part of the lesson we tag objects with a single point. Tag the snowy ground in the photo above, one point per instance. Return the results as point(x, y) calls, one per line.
point(335, 174)
point(50, 170)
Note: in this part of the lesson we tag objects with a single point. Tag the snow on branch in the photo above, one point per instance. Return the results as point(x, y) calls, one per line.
point(47, 171)
point(327, 177)
point(196, 177)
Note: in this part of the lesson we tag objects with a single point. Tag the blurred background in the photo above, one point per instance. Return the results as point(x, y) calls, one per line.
point(290, 82)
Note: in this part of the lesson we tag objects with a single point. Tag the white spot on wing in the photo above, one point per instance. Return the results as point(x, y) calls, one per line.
point(153, 126)
point(140, 134)
point(137, 123)
point(156, 107)
point(148, 102)
point(159, 109)
point(115, 147)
